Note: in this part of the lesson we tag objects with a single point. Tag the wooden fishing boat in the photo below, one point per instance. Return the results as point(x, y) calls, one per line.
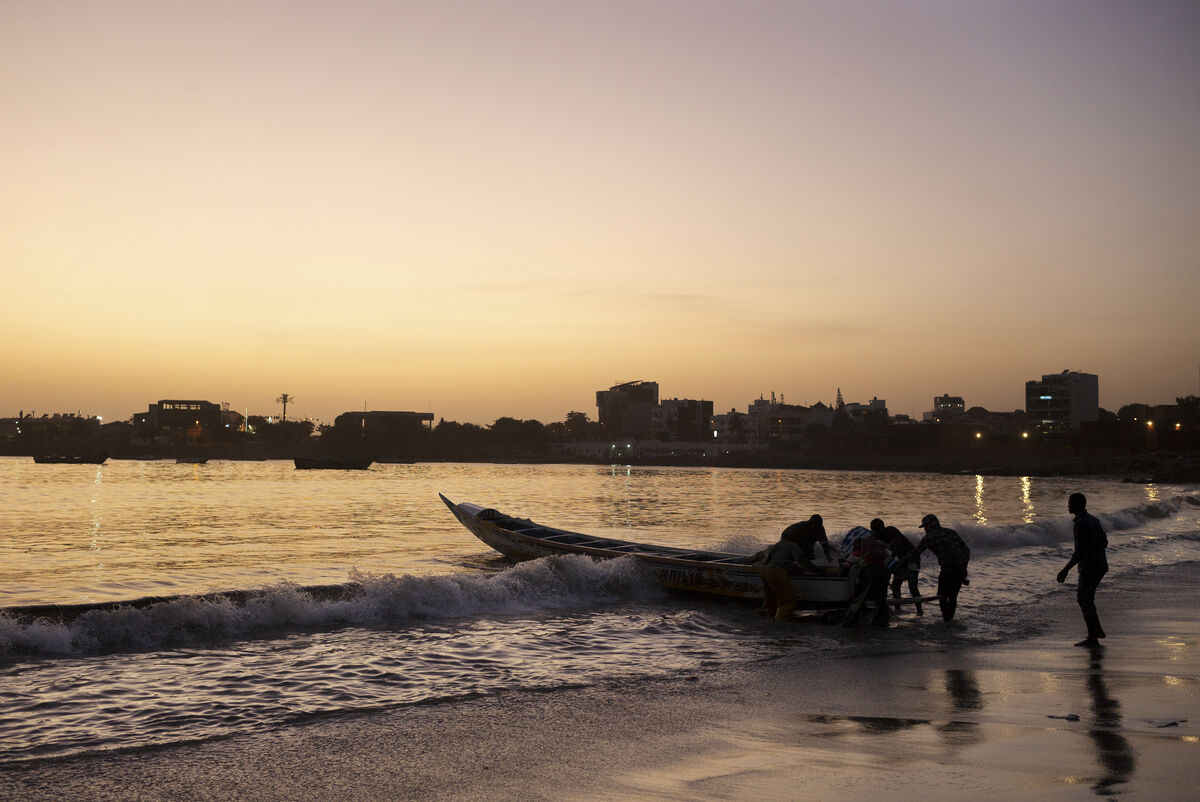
point(70, 459)
point(710, 572)
point(308, 463)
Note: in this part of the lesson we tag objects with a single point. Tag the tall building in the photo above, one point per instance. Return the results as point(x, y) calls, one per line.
point(683, 419)
point(1062, 401)
point(627, 410)
point(948, 407)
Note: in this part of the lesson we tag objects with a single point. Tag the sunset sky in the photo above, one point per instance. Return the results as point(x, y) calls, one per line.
point(497, 208)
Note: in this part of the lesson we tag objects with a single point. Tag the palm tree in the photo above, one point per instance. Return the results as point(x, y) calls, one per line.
point(284, 399)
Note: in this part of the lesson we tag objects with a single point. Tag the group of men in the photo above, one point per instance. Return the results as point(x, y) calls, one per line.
point(885, 555)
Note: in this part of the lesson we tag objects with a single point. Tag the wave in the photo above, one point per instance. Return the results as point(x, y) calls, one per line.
point(985, 539)
point(1060, 530)
point(549, 584)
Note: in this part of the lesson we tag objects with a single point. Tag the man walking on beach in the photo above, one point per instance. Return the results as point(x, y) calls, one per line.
point(1090, 543)
point(952, 554)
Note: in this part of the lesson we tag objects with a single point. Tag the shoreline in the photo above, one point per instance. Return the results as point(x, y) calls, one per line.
point(991, 722)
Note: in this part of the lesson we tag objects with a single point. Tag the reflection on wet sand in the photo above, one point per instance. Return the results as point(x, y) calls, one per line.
point(1113, 751)
point(882, 725)
point(963, 695)
point(963, 689)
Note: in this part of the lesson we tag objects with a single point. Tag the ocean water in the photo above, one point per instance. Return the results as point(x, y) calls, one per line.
point(414, 610)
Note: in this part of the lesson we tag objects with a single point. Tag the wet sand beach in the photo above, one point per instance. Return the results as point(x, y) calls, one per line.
point(1032, 719)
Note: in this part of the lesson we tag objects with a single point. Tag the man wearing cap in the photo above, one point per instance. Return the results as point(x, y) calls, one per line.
point(952, 554)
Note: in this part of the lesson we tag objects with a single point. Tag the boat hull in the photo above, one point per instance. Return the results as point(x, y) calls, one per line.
point(58, 459)
point(712, 573)
point(306, 464)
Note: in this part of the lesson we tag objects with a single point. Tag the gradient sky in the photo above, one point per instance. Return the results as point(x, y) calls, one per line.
point(497, 208)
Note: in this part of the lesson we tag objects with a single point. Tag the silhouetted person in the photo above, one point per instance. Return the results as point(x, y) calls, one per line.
point(952, 554)
point(900, 545)
point(772, 565)
point(871, 553)
point(808, 534)
point(1090, 543)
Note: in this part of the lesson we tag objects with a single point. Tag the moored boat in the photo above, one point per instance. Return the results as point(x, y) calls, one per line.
point(70, 459)
point(309, 463)
point(700, 571)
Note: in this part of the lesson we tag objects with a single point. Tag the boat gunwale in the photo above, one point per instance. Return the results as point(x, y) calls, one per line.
point(470, 521)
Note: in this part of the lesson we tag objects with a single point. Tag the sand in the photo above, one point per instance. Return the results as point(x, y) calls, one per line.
point(1034, 719)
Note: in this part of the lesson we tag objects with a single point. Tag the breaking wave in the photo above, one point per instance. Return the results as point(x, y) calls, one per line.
point(368, 600)
point(1054, 532)
point(988, 539)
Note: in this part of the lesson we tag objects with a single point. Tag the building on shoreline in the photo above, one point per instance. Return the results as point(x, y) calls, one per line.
point(1062, 401)
point(190, 421)
point(946, 408)
point(627, 409)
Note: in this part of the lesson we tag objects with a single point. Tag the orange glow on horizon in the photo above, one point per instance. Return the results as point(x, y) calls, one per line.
point(478, 214)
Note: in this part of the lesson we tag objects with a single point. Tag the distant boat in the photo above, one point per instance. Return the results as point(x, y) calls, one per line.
point(308, 463)
point(70, 459)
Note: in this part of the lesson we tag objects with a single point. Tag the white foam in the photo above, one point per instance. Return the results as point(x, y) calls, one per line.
point(1053, 532)
point(552, 583)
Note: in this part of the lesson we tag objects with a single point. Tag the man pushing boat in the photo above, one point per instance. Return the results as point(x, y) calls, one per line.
point(953, 555)
point(772, 564)
point(808, 534)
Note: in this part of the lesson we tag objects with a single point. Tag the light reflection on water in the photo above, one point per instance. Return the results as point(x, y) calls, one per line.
point(129, 528)
point(450, 623)
point(144, 698)
point(980, 514)
point(1026, 500)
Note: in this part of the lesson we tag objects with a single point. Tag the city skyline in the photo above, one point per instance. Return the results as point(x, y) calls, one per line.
point(498, 209)
point(591, 410)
